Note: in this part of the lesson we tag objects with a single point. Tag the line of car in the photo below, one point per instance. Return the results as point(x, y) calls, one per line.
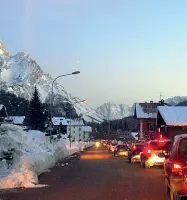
point(170, 154)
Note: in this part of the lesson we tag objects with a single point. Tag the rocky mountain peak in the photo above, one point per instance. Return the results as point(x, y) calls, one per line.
point(3, 50)
point(113, 111)
point(21, 73)
point(2, 45)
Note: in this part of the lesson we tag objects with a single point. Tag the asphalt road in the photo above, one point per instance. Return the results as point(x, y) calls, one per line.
point(96, 175)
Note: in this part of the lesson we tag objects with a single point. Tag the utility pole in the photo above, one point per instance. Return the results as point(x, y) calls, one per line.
point(1, 76)
point(108, 126)
point(161, 96)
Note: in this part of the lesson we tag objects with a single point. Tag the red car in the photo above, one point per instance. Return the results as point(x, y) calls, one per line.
point(175, 168)
point(150, 155)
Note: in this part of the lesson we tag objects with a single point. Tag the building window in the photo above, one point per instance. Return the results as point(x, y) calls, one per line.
point(79, 129)
point(151, 126)
point(163, 129)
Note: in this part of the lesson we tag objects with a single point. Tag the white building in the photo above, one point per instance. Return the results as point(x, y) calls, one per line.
point(87, 133)
point(74, 128)
point(17, 120)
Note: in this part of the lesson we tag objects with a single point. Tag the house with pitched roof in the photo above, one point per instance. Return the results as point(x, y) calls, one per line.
point(17, 120)
point(146, 114)
point(73, 127)
point(172, 120)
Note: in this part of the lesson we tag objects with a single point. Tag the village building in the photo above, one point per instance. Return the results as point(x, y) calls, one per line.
point(72, 127)
point(172, 120)
point(146, 114)
point(17, 120)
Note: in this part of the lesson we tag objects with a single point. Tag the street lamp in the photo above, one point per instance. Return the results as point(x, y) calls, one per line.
point(82, 101)
point(51, 102)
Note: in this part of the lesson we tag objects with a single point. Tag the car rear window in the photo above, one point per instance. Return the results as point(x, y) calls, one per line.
point(139, 147)
point(122, 147)
point(160, 145)
point(183, 149)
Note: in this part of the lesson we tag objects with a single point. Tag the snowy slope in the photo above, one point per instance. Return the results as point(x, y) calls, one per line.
point(20, 74)
point(113, 111)
point(175, 100)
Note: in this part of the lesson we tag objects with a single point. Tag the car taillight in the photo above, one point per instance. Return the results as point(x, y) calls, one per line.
point(149, 151)
point(116, 149)
point(134, 147)
point(177, 169)
point(176, 166)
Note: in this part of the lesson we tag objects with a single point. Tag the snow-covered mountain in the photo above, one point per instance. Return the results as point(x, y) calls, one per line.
point(20, 74)
point(175, 100)
point(113, 111)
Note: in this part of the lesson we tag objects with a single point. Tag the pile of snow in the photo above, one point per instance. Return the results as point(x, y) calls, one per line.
point(33, 154)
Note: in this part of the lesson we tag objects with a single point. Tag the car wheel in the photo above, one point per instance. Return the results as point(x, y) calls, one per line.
point(167, 186)
point(141, 163)
point(132, 161)
point(173, 194)
point(147, 165)
point(176, 196)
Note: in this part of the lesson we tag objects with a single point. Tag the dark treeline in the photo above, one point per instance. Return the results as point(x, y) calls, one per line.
point(36, 112)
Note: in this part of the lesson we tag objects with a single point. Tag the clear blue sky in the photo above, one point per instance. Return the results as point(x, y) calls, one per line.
point(126, 50)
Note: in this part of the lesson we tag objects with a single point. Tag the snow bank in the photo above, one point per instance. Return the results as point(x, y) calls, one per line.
point(33, 154)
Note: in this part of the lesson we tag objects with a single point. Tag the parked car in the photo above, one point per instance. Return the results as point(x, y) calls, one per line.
point(134, 152)
point(175, 168)
point(149, 156)
point(121, 150)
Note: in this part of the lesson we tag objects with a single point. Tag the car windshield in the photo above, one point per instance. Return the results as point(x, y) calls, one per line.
point(161, 145)
point(183, 149)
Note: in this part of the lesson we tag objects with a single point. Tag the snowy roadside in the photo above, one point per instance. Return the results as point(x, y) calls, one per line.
point(33, 154)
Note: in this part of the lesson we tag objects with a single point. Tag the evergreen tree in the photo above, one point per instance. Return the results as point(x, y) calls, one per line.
point(37, 115)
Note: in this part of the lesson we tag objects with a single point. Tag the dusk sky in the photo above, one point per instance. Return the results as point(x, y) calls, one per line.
point(127, 50)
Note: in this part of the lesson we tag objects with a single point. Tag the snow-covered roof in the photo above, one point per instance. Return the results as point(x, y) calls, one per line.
point(17, 119)
point(64, 121)
point(87, 128)
point(145, 110)
point(174, 115)
point(1, 106)
point(135, 135)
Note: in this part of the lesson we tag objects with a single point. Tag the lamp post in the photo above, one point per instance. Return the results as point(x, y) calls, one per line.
point(82, 101)
point(51, 100)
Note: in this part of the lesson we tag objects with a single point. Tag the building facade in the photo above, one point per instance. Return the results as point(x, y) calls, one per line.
point(146, 114)
point(74, 128)
point(172, 120)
